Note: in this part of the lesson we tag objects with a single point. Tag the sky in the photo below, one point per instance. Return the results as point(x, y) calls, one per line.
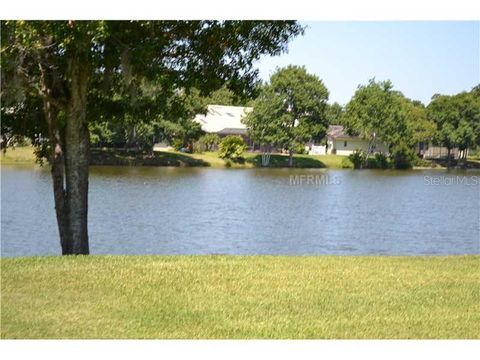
point(421, 58)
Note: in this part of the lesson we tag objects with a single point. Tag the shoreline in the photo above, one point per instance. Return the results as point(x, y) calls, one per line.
point(225, 255)
point(132, 158)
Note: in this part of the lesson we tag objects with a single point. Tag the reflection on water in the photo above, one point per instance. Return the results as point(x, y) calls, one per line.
point(140, 210)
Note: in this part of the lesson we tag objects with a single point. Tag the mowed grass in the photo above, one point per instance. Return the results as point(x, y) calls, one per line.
point(234, 297)
point(18, 155)
point(25, 155)
point(276, 160)
point(332, 161)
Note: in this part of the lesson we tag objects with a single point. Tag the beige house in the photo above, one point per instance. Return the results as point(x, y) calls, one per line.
point(341, 143)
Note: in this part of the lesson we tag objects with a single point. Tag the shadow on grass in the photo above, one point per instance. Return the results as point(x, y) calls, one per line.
point(121, 157)
point(281, 161)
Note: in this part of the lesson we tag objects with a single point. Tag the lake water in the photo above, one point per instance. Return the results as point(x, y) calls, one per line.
point(259, 211)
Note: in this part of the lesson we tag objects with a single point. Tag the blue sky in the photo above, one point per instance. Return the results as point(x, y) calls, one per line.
point(420, 58)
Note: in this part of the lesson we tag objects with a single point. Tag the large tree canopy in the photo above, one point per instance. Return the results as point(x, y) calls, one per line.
point(79, 71)
point(375, 111)
point(418, 127)
point(378, 112)
point(457, 119)
point(290, 110)
point(334, 113)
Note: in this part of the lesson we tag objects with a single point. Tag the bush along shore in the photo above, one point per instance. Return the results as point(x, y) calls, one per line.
point(130, 157)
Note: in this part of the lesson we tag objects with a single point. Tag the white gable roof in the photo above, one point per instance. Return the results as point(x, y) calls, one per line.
point(220, 117)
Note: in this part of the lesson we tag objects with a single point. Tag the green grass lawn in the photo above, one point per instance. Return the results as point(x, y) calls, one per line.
point(331, 161)
point(24, 155)
point(240, 297)
point(18, 155)
point(276, 160)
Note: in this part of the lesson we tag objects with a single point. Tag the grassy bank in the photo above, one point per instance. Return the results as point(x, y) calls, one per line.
point(18, 155)
point(210, 159)
point(240, 297)
point(24, 155)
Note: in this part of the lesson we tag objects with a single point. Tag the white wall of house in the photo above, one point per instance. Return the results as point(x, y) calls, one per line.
point(347, 146)
point(221, 117)
point(316, 150)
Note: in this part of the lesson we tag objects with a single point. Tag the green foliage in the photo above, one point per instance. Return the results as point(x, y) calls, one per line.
point(145, 69)
point(457, 119)
point(357, 158)
point(177, 144)
point(300, 149)
point(376, 110)
point(210, 141)
point(225, 96)
point(403, 157)
point(346, 163)
point(381, 161)
point(145, 136)
point(101, 134)
point(232, 147)
point(419, 128)
point(290, 110)
point(334, 114)
point(418, 161)
point(184, 132)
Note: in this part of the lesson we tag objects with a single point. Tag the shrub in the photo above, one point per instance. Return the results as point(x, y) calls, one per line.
point(300, 149)
point(199, 147)
point(357, 158)
point(346, 163)
point(232, 147)
point(177, 144)
point(209, 142)
point(474, 153)
point(144, 136)
point(100, 134)
point(380, 161)
point(403, 157)
point(417, 161)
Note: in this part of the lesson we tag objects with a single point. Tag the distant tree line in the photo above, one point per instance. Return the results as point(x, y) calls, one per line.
point(292, 109)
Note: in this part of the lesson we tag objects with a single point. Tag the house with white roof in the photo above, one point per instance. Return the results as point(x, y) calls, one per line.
point(224, 120)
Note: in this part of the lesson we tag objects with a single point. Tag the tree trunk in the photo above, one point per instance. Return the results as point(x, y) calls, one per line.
point(59, 194)
point(266, 155)
point(58, 172)
point(290, 158)
point(70, 150)
point(448, 158)
point(76, 161)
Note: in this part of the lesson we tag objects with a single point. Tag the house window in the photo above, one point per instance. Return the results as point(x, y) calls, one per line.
point(344, 144)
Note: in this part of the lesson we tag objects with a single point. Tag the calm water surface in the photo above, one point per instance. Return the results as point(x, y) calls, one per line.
point(258, 211)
